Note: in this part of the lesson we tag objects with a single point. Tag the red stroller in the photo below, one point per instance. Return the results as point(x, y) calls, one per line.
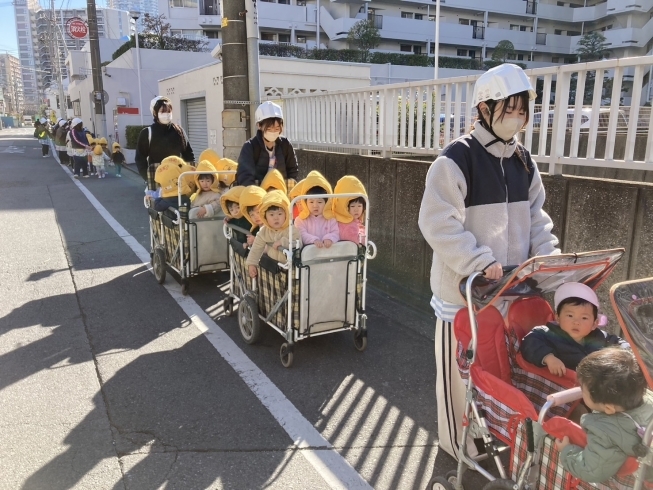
point(505, 393)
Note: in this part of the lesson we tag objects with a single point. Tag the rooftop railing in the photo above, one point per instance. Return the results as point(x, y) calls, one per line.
point(420, 118)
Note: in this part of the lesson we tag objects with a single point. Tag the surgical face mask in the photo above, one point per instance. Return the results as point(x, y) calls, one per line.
point(165, 117)
point(271, 136)
point(507, 127)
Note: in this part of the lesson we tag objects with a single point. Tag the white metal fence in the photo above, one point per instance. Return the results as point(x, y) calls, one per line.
point(420, 118)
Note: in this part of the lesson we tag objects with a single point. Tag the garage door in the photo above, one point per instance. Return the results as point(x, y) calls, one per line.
point(196, 125)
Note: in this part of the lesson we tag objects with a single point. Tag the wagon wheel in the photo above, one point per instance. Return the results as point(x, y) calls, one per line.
point(360, 340)
point(249, 321)
point(500, 484)
point(159, 265)
point(440, 483)
point(286, 354)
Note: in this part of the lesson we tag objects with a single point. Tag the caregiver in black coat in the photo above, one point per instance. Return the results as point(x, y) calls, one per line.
point(267, 150)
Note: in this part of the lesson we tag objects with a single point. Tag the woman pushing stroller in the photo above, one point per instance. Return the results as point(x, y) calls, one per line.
point(481, 209)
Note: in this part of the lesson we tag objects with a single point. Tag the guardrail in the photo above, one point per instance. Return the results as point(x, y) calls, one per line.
point(421, 118)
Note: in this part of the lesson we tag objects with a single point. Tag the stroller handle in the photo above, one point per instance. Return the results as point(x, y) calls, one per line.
point(560, 398)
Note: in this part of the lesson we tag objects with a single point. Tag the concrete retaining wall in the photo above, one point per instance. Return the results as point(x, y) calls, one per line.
point(588, 214)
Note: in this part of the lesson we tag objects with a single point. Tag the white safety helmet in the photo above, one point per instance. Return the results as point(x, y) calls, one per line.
point(60, 120)
point(43, 120)
point(500, 83)
point(154, 101)
point(267, 110)
point(75, 122)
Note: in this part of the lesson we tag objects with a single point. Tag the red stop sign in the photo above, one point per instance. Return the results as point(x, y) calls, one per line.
point(77, 28)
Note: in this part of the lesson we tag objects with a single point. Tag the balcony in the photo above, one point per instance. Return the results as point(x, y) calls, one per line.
point(478, 32)
point(209, 7)
point(540, 38)
point(279, 16)
point(376, 20)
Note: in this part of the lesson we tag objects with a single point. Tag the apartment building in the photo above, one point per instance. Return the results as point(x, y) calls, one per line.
point(11, 84)
point(150, 7)
point(35, 31)
point(544, 32)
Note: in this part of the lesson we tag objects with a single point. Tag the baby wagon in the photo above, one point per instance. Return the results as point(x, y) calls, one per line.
point(316, 291)
point(183, 246)
point(509, 404)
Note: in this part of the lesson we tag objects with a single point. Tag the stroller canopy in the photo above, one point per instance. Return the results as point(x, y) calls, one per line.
point(541, 275)
point(633, 304)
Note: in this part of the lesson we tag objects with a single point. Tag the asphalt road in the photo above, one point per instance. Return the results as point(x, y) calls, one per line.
point(110, 380)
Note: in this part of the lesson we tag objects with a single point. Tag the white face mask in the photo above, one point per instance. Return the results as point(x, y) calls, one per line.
point(507, 127)
point(271, 136)
point(165, 117)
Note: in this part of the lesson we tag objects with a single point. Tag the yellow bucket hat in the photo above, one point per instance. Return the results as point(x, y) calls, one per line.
point(103, 141)
point(167, 176)
point(346, 185)
point(90, 139)
point(228, 165)
point(211, 156)
point(275, 198)
point(206, 166)
point(115, 147)
point(233, 195)
point(252, 196)
point(274, 180)
point(97, 150)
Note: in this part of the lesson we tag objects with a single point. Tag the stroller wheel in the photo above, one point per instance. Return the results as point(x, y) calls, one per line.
point(500, 484)
point(228, 306)
point(248, 320)
point(360, 340)
point(159, 265)
point(286, 354)
point(440, 483)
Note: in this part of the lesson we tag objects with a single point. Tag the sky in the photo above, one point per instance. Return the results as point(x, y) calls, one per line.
point(8, 41)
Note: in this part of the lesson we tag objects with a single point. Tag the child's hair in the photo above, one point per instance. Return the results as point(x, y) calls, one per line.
point(316, 190)
point(612, 375)
point(232, 203)
point(358, 200)
point(274, 208)
point(573, 301)
point(206, 176)
point(250, 209)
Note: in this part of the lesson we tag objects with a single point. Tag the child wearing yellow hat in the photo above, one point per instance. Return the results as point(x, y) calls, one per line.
point(98, 159)
point(167, 176)
point(275, 213)
point(206, 201)
point(250, 200)
point(316, 222)
point(350, 212)
point(230, 202)
point(118, 158)
point(273, 180)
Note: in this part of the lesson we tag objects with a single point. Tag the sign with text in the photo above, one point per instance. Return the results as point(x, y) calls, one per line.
point(76, 28)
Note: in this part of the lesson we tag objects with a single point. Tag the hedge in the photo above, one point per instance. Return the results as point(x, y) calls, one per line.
point(132, 132)
point(356, 56)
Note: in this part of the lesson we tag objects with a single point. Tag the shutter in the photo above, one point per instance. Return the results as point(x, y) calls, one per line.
point(196, 126)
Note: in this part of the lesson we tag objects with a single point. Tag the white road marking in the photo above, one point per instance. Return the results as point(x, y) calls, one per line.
point(334, 469)
point(14, 149)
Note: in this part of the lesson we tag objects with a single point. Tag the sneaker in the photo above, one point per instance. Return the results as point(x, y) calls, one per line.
point(118, 175)
point(86, 176)
point(45, 156)
point(75, 176)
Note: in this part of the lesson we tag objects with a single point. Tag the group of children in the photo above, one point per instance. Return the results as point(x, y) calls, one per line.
point(98, 158)
point(613, 385)
point(321, 221)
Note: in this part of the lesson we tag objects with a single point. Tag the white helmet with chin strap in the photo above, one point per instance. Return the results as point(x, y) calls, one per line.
point(267, 110)
point(500, 83)
point(154, 101)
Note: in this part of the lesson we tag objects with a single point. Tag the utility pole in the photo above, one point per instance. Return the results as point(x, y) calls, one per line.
point(100, 122)
point(235, 87)
point(63, 106)
point(252, 61)
point(436, 49)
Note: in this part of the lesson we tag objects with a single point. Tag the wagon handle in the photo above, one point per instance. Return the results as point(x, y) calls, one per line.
point(560, 398)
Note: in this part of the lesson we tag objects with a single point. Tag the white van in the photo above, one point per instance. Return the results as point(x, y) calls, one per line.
point(27, 120)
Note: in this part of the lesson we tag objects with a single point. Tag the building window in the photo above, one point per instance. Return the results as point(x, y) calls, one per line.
point(514, 27)
point(211, 34)
point(417, 50)
point(419, 16)
point(557, 32)
point(284, 38)
point(267, 36)
point(301, 39)
point(520, 57)
point(461, 52)
point(405, 48)
point(464, 22)
point(511, 56)
point(77, 110)
point(183, 3)
point(606, 28)
point(406, 15)
point(555, 59)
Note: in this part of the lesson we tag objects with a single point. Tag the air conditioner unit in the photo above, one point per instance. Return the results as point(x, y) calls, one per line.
point(121, 101)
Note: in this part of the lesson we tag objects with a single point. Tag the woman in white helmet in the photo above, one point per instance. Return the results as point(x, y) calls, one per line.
point(267, 150)
point(481, 210)
point(160, 140)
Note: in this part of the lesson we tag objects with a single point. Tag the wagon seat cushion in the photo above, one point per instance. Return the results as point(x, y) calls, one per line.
point(491, 369)
point(523, 315)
